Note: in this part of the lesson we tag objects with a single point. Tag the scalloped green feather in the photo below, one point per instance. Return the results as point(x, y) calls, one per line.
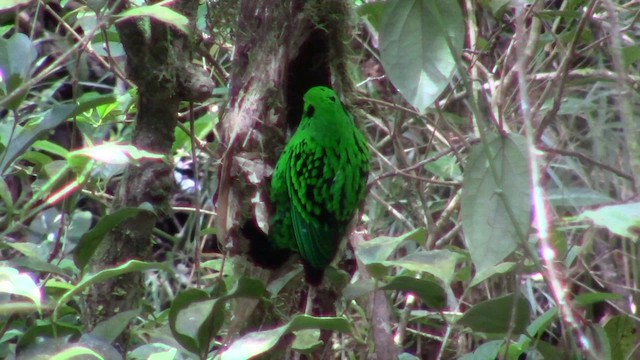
point(319, 182)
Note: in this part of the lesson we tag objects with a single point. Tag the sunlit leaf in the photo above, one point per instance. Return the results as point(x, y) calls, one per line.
point(488, 203)
point(495, 315)
point(25, 138)
point(158, 12)
point(415, 39)
point(622, 219)
point(16, 283)
point(258, 342)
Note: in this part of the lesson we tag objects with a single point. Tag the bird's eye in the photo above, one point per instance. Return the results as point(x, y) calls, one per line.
point(310, 111)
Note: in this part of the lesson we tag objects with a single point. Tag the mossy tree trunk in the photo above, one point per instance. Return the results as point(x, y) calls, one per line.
point(282, 49)
point(158, 63)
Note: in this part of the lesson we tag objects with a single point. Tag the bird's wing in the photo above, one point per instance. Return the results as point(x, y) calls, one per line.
point(309, 180)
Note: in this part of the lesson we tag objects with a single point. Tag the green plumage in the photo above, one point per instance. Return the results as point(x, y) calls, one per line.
point(319, 182)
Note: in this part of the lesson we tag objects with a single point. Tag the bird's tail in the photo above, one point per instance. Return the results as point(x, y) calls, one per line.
point(262, 251)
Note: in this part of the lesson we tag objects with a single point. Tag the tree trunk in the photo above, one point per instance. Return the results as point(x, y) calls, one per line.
point(158, 64)
point(283, 48)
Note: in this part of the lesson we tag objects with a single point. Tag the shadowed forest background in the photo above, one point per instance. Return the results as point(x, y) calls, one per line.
point(137, 139)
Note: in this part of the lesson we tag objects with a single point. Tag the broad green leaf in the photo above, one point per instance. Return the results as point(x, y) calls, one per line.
point(189, 310)
point(158, 12)
point(407, 356)
point(488, 350)
point(630, 55)
point(591, 298)
point(164, 355)
point(14, 282)
point(76, 351)
point(18, 308)
point(113, 154)
point(90, 241)
point(621, 332)
point(623, 219)
point(542, 322)
point(429, 291)
point(17, 55)
point(196, 318)
point(380, 248)
point(90, 279)
point(488, 272)
point(372, 12)
point(439, 263)
point(374, 252)
point(10, 4)
point(111, 328)
point(494, 316)
point(415, 39)
point(577, 197)
point(37, 265)
point(490, 232)
point(5, 196)
point(203, 126)
point(258, 342)
point(93, 100)
point(153, 351)
point(50, 147)
point(28, 135)
point(307, 340)
point(35, 338)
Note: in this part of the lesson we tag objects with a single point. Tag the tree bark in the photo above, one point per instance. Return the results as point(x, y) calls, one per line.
point(283, 48)
point(158, 64)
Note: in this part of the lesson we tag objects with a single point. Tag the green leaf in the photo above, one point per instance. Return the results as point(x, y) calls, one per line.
point(45, 338)
point(53, 148)
point(439, 263)
point(373, 252)
point(10, 4)
point(202, 126)
point(195, 318)
point(621, 332)
point(429, 291)
point(373, 12)
point(596, 297)
point(577, 197)
point(111, 328)
point(415, 39)
point(490, 233)
point(17, 55)
point(494, 316)
point(37, 265)
point(258, 342)
point(153, 351)
point(623, 219)
point(380, 248)
point(158, 12)
point(189, 310)
point(14, 282)
point(90, 241)
point(113, 154)
point(5, 196)
point(88, 280)
point(540, 324)
point(307, 341)
point(74, 351)
point(28, 135)
point(488, 350)
point(486, 273)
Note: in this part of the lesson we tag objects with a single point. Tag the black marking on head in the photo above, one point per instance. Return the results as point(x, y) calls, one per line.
point(332, 98)
point(310, 111)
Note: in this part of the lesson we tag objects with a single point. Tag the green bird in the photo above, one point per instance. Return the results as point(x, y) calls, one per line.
point(318, 184)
